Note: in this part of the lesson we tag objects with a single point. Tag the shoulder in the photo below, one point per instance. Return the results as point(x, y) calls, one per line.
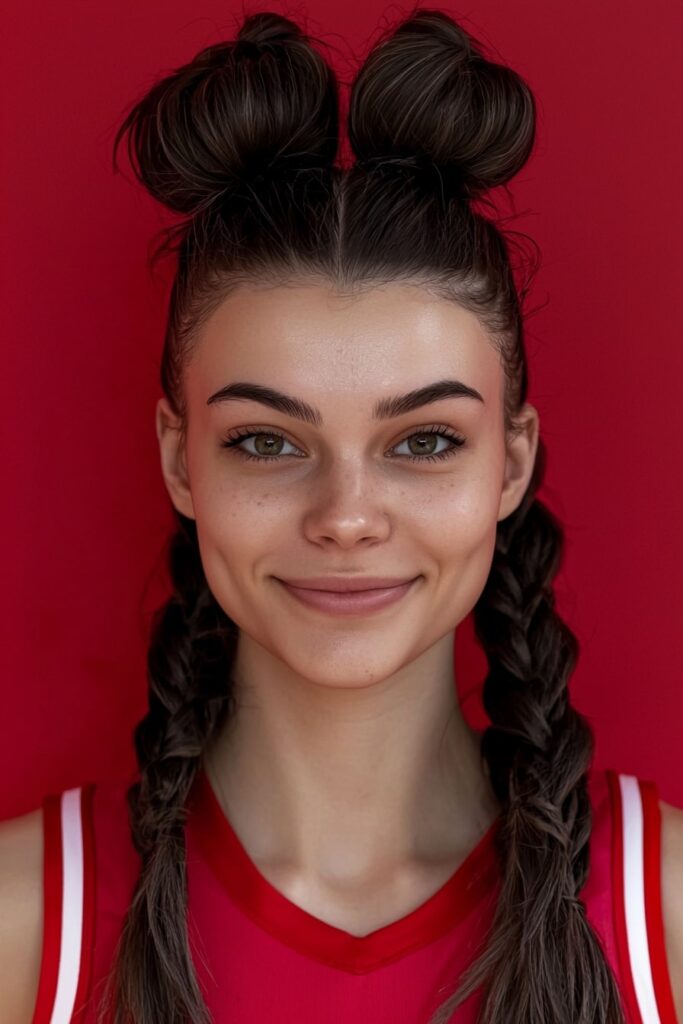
point(21, 914)
point(672, 896)
point(46, 895)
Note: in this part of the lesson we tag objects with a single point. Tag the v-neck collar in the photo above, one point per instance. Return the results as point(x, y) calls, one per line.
point(295, 927)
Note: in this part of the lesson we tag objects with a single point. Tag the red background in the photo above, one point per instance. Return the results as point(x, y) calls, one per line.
point(84, 509)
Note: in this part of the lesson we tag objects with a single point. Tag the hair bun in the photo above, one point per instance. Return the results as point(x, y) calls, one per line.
point(265, 29)
point(426, 95)
point(260, 103)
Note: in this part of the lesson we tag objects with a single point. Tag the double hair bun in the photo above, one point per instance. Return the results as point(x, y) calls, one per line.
point(426, 102)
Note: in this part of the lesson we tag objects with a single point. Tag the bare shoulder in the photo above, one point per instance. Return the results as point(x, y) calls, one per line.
point(21, 914)
point(672, 897)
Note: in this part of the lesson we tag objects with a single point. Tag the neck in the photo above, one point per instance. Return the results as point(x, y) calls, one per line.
point(349, 784)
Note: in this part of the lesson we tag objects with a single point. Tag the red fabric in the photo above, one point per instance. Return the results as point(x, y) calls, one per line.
point(117, 866)
point(52, 900)
point(268, 908)
point(260, 958)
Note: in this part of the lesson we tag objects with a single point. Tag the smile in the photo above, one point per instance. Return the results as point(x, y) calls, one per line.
point(349, 602)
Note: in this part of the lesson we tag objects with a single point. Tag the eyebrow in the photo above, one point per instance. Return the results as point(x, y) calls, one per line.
point(386, 408)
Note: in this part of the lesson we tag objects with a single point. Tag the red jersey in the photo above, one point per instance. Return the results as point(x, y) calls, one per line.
point(261, 958)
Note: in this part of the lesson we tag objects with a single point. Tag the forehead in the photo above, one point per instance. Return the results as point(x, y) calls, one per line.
point(307, 337)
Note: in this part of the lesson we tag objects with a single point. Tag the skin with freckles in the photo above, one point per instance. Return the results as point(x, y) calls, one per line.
point(348, 771)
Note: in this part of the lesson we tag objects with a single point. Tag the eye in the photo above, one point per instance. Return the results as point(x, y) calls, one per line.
point(268, 444)
point(423, 444)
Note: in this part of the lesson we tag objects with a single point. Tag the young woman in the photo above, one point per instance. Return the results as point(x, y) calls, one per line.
point(315, 833)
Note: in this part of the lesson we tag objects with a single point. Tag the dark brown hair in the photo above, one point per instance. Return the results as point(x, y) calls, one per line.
point(243, 141)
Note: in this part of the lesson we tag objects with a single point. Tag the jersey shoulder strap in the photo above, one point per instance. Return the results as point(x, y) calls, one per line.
point(68, 905)
point(637, 898)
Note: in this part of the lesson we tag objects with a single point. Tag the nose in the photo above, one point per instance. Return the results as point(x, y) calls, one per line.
point(347, 506)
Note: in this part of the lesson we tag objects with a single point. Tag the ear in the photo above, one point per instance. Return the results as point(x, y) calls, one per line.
point(173, 463)
point(519, 460)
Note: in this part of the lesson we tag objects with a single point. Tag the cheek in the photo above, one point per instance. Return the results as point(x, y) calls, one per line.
point(239, 529)
point(458, 516)
point(234, 512)
point(236, 525)
point(458, 528)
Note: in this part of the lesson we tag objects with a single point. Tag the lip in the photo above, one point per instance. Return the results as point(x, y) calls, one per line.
point(344, 584)
point(348, 601)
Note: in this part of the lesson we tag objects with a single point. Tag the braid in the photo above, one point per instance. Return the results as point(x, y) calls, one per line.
point(538, 749)
point(188, 670)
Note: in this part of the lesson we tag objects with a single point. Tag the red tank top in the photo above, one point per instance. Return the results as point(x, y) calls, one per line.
point(261, 958)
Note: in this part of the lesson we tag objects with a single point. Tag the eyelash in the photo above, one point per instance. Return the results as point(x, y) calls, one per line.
point(233, 439)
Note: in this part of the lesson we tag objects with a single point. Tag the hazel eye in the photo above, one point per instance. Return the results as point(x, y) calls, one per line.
point(423, 444)
point(268, 451)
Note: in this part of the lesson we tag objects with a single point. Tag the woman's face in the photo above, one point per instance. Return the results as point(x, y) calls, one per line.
point(359, 487)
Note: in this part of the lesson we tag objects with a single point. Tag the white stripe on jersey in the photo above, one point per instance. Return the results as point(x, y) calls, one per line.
point(72, 906)
point(634, 898)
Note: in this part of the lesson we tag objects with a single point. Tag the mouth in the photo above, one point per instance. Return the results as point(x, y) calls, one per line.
point(348, 601)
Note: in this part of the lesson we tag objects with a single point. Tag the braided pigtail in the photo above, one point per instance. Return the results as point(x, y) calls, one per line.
point(190, 654)
point(543, 963)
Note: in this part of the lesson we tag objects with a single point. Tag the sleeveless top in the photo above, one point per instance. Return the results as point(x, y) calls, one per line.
point(261, 958)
